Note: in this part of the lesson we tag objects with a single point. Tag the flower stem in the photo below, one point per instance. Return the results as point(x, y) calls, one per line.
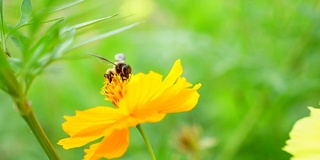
point(37, 130)
point(145, 138)
point(14, 89)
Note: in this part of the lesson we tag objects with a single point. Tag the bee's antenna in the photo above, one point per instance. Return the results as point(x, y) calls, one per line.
point(94, 55)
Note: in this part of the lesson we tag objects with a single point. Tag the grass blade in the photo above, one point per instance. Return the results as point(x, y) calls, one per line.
point(105, 35)
point(88, 23)
point(62, 6)
point(3, 46)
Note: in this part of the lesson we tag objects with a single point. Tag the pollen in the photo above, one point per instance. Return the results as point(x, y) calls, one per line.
point(115, 89)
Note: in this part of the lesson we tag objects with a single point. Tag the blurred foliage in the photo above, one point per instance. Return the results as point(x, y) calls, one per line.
point(258, 62)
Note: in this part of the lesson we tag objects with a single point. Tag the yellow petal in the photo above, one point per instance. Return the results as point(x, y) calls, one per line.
point(68, 143)
point(112, 146)
point(145, 98)
point(149, 98)
point(178, 100)
point(146, 87)
point(171, 78)
point(304, 142)
point(97, 116)
point(140, 90)
point(314, 112)
point(148, 115)
point(89, 125)
point(173, 75)
point(90, 153)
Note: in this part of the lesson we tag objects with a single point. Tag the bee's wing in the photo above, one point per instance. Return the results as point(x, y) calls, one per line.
point(120, 57)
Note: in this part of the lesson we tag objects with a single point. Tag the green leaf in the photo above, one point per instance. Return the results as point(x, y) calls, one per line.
point(88, 23)
point(1, 9)
point(1, 13)
point(49, 48)
point(26, 11)
point(45, 44)
point(19, 39)
point(14, 29)
point(67, 40)
point(18, 43)
point(25, 18)
point(105, 35)
point(15, 63)
point(2, 32)
point(8, 81)
point(60, 7)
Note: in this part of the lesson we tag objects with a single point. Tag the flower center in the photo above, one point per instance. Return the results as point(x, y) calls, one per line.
point(115, 89)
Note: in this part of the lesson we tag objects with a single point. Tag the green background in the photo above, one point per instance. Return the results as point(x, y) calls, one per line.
point(258, 62)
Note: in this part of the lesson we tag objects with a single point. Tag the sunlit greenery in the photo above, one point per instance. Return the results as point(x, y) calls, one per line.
point(258, 62)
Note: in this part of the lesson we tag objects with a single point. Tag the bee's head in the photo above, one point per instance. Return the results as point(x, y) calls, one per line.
point(123, 69)
point(126, 70)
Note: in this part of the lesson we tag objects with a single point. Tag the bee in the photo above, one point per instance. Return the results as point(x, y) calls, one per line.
point(119, 67)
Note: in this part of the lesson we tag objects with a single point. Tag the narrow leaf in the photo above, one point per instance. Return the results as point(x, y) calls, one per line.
point(2, 32)
point(16, 64)
point(105, 35)
point(45, 44)
point(19, 39)
point(26, 10)
point(1, 13)
point(18, 43)
point(61, 7)
point(88, 23)
point(61, 48)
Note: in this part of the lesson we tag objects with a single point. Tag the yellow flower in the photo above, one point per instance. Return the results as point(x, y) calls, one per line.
point(141, 98)
point(304, 142)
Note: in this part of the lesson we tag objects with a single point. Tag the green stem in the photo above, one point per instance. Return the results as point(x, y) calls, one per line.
point(145, 138)
point(37, 130)
point(14, 89)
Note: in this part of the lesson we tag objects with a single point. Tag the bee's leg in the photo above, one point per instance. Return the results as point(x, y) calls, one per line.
point(109, 75)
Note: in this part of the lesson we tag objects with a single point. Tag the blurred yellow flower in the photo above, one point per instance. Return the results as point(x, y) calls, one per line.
point(137, 10)
point(142, 98)
point(189, 141)
point(304, 142)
